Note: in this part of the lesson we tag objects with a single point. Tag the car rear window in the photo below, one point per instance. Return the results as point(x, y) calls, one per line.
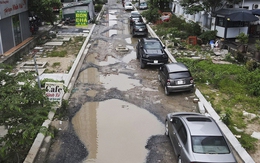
point(140, 26)
point(152, 45)
point(178, 75)
point(209, 145)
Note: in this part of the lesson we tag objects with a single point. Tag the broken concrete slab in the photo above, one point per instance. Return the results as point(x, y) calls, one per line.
point(121, 48)
point(53, 43)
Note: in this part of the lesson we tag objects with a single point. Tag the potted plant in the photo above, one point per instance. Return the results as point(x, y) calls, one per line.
point(243, 40)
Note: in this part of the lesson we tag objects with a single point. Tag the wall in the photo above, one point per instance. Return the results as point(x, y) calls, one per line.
point(6, 34)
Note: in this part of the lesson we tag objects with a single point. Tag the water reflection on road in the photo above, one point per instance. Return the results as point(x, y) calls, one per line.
point(115, 131)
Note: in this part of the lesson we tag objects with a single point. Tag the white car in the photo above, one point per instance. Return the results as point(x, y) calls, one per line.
point(143, 6)
point(129, 6)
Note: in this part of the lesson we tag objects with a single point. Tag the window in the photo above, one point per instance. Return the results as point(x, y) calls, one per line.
point(183, 134)
point(16, 29)
point(209, 144)
point(177, 75)
point(152, 45)
point(220, 21)
point(180, 130)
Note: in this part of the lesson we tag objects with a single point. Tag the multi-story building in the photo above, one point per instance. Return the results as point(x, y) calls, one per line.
point(14, 24)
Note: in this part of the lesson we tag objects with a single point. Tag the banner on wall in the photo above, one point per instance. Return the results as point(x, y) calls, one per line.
point(81, 17)
point(12, 7)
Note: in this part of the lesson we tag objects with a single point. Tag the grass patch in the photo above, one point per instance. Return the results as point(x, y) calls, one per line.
point(62, 53)
point(229, 86)
point(55, 64)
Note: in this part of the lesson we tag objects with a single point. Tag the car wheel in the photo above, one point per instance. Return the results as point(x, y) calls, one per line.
point(166, 128)
point(142, 65)
point(166, 91)
point(137, 54)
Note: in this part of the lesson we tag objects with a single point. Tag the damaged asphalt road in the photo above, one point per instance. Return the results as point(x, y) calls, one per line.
point(116, 110)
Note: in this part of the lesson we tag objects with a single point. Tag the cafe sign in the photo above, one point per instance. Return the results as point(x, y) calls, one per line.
point(54, 91)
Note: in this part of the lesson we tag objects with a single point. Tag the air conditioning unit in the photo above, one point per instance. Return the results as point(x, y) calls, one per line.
point(256, 6)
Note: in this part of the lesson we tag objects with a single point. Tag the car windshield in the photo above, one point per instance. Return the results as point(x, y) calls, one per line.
point(128, 4)
point(209, 145)
point(143, 4)
point(179, 75)
point(152, 45)
point(135, 15)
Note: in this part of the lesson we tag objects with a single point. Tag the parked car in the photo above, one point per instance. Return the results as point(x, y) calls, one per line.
point(143, 6)
point(129, 6)
point(135, 16)
point(197, 138)
point(165, 16)
point(139, 28)
point(175, 77)
point(150, 51)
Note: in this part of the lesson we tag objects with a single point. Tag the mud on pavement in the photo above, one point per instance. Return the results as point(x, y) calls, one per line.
point(116, 110)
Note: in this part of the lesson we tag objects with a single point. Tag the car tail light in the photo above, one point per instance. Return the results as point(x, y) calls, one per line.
point(191, 80)
point(168, 82)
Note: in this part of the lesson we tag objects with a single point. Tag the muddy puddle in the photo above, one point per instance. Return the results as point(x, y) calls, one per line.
point(121, 81)
point(115, 131)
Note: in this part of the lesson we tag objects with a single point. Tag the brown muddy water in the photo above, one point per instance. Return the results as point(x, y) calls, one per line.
point(115, 131)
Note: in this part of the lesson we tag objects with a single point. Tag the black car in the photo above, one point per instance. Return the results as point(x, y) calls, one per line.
point(175, 77)
point(135, 16)
point(139, 28)
point(150, 51)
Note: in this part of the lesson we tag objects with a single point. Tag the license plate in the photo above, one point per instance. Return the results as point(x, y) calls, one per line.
point(140, 29)
point(180, 82)
point(155, 61)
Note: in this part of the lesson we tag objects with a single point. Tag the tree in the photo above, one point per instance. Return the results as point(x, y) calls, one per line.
point(44, 9)
point(162, 5)
point(195, 6)
point(23, 109)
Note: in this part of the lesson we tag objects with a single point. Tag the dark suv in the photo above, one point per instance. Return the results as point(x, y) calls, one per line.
point(175, 77)
point(135, 16)
point(139, 28)
point(150, 51)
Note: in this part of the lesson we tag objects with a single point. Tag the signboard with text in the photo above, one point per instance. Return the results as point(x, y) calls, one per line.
point(81, 17)
point(12, 7)
point(54, 91)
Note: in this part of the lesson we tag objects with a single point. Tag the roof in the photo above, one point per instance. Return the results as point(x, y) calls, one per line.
point(176, 67)
point(228, 11)
point(201, 125)
point(81, 3)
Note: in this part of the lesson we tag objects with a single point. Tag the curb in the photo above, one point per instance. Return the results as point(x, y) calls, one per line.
point(69, 83)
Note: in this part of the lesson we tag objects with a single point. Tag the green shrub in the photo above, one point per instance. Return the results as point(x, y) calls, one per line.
point(226, 118)
point(98, 7)
point(206, 36)
point(151, 15)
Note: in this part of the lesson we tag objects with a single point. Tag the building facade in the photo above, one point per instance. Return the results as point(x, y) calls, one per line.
point(14, 24)
point(208, 21)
